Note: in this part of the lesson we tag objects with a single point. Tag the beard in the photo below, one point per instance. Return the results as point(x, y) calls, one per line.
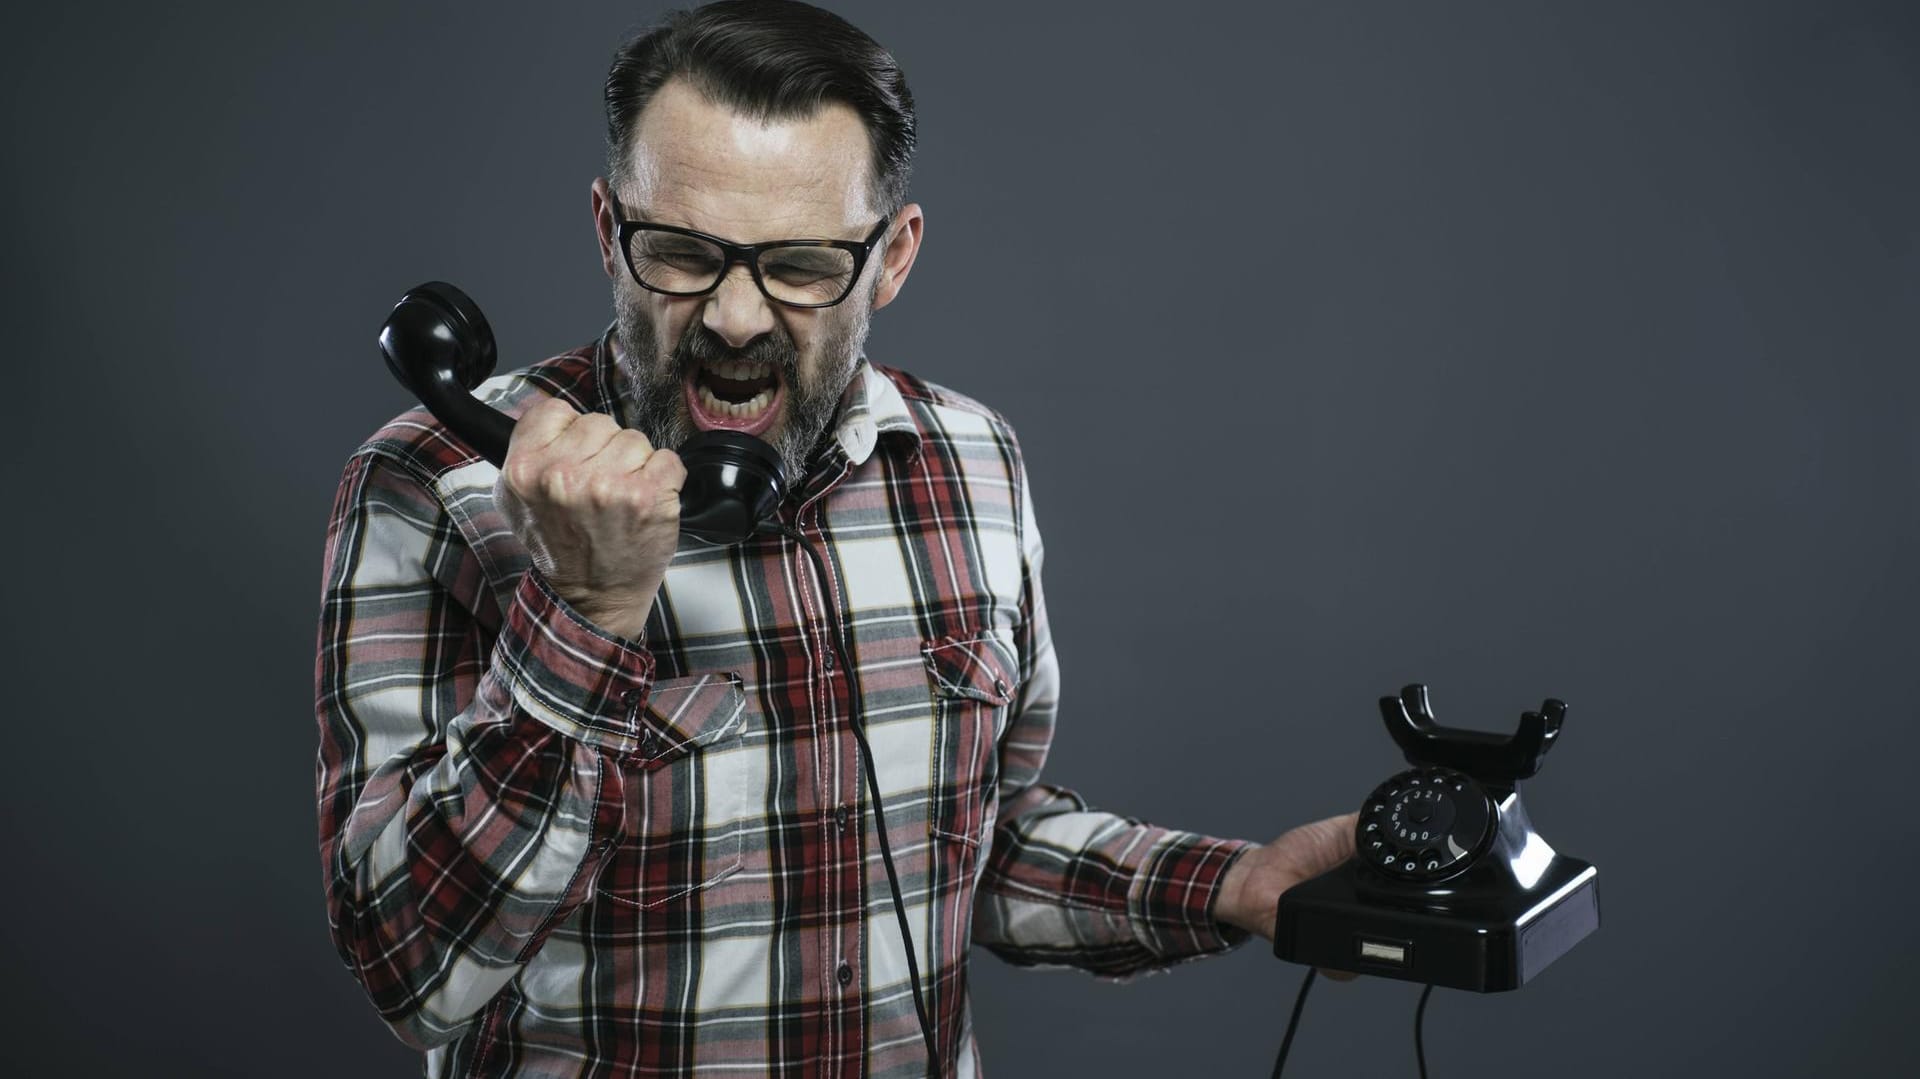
point(656, 377)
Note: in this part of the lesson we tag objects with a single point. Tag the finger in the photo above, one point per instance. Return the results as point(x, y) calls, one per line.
point(1344, 834)
point(1331, 834)
point(665, 468)
point(586, 436)
point(540, 424)
point(546, 420)
point(1316, 847)
point(624, 454)
point(612, 477)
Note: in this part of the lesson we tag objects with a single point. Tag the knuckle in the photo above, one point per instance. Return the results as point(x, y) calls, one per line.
point(668, 463)
point(518, 475)
point(602, 489)
point(558, 483)
point(548, 412)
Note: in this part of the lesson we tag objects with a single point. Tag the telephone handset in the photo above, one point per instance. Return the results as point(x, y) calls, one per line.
point(438, 344)
point(1449, 883)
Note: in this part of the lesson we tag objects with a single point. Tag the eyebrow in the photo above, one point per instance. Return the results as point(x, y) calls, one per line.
point(645, 219)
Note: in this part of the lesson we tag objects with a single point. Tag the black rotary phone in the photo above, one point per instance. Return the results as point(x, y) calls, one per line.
point(438, 344)
point(1449, 883)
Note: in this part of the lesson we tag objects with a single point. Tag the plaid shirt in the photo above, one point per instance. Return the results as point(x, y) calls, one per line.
point(551, 851)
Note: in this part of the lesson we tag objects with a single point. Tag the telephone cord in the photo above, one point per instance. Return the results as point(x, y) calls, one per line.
point(879, 821)
point(1419, 1016)
point(1300, 1002)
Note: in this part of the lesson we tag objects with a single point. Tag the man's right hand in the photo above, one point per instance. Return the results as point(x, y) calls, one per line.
point(597, 508)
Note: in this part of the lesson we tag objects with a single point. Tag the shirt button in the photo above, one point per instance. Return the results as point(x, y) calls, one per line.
point(826, 661)
point(840, 818)
point(631, 696)
point(845, 975)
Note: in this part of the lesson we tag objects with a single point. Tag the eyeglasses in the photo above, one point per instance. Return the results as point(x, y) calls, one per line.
point(799, 273)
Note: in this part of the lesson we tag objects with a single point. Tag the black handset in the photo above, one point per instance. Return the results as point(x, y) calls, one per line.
point(438, 344)
point(1450, 884)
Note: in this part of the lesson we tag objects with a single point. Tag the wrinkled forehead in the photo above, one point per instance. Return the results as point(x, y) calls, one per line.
point(702, 165)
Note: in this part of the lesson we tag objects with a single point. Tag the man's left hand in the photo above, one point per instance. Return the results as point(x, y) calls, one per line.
point(1250, 892)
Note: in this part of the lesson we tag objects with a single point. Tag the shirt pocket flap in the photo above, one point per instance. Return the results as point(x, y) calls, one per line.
point(981, 668)
point(684, 714)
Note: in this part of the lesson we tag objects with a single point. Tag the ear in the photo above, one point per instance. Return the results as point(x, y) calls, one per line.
point(896, 259)
point(606, 226)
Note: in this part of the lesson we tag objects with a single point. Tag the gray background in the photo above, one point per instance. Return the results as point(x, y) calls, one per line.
point(1520, 349)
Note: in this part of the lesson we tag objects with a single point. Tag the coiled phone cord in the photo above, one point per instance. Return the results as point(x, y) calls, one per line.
point(1300, 1001)
point(879, 819)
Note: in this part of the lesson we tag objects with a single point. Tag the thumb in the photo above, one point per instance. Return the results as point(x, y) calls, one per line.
point(1321, 845)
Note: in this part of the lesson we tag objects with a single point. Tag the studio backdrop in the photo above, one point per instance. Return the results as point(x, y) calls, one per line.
point(1523, 350)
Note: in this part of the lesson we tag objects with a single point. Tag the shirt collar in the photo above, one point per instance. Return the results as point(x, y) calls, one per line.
point(871, 407)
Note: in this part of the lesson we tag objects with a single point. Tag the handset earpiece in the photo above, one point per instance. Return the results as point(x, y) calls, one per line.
point(733, 486)
point(438, 345)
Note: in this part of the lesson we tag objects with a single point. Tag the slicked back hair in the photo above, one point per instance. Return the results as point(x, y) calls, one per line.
point(770, 60)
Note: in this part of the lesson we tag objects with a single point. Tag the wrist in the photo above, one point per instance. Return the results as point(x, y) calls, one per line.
point(1251, 888)
point(1230, 906)
point(621, 616)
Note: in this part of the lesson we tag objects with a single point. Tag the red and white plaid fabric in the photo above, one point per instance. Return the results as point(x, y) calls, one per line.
point(549, 851)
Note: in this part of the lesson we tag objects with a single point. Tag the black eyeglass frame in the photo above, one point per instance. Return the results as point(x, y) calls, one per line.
point(750, 254)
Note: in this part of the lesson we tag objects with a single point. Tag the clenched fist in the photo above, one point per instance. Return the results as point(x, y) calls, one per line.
point(596, 506)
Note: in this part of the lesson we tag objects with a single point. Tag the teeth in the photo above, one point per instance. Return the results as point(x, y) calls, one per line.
point(741, 370)
point(744, 410)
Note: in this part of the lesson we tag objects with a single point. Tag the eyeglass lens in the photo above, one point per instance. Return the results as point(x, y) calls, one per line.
point(805, 275)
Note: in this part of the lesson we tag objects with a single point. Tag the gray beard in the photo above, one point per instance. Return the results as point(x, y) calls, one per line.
point(655, 378)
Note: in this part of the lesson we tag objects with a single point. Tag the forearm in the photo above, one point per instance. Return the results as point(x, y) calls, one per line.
point(1068, 885)
point(470, 784)
point(493, 845)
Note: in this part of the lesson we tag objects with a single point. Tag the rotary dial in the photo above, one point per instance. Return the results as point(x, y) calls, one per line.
point(1423, 825)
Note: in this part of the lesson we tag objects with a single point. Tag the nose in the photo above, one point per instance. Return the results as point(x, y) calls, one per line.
point(736, 309)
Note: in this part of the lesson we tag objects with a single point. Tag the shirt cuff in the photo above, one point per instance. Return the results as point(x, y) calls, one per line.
point(570, 674)
point(1171, 902)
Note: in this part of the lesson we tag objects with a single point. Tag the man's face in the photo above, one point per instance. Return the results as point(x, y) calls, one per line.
point(734, 359)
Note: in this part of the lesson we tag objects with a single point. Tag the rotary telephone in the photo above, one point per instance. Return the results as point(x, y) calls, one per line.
point(1449, 884)
point(438, 344)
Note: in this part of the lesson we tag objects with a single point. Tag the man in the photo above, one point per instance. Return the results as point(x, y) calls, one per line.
point(595, 802)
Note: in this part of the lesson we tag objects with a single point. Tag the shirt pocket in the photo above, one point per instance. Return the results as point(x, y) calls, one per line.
point(686, 812)
point(972, 681)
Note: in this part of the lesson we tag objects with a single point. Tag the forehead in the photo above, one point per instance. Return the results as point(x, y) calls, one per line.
point(702, 165)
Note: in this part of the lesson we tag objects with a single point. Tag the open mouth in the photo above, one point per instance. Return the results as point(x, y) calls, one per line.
point(735, 395)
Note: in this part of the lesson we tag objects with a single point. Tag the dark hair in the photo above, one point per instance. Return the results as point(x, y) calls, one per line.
point(771, 60)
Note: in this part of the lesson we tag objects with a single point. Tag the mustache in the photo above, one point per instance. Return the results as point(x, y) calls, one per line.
point(701, 345)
